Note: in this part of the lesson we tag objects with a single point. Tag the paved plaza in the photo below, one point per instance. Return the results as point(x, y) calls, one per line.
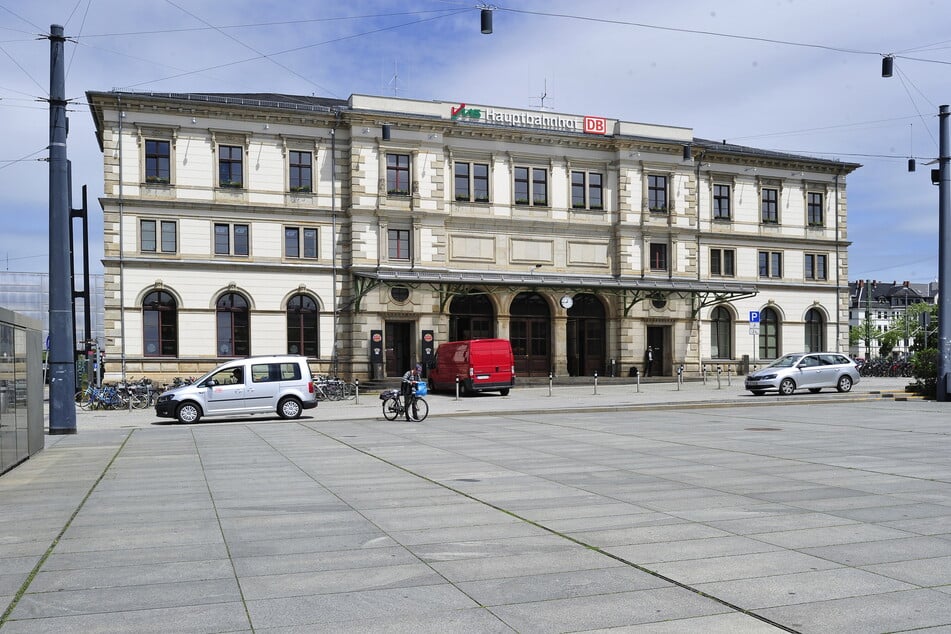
point(658, 509)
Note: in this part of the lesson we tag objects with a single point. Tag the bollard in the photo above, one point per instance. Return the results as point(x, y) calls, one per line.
point(457, 388)
point(719, 371)
point(549, 383)
point(729, 380)
point(680, 376)
point(356, 392)
point(703, 371)
point(596, 383)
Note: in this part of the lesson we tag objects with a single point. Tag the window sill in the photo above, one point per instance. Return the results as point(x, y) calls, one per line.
point(149, 183)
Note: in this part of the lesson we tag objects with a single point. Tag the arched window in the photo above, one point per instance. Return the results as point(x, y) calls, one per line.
point(769, 344)
point(160, 325)
point(815, 331)
point(721, 334)
point(234, 326)
point(303, 320)
point(471, 317)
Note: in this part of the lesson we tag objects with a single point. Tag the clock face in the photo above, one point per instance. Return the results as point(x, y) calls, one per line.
point(566, 301)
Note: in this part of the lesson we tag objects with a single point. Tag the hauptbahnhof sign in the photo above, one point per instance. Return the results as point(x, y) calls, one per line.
point(530, 119)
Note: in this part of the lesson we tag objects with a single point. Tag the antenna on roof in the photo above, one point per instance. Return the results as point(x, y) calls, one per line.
point(542, 97)
point(395, 78)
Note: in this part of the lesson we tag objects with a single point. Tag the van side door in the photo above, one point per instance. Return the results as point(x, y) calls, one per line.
point(224, 391)
point(264, 387)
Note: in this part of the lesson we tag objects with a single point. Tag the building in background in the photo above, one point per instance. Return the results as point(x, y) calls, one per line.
point(364, 232)
point(881, 305)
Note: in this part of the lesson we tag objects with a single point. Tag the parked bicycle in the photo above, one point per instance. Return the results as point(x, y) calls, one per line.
point(394, 405)
point(334, 389)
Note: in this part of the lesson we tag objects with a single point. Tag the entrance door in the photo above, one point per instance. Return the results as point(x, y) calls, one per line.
point(530, 334)
point(585, 333)
point(397, 338)
point(658, 339)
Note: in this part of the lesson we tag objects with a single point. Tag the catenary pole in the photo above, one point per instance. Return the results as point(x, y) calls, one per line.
point(62, 370)
point(944, 257)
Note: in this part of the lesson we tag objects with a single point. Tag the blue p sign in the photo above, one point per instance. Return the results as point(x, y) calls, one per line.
point(754, 316)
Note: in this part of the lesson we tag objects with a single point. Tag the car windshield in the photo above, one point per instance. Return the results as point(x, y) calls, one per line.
point(787, 361)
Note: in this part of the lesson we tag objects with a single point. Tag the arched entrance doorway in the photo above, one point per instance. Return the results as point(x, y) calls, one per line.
point(530, 333)
point(585, 336)
point(471, 317)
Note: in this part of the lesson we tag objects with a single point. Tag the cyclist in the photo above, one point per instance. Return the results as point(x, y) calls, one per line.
point(408, 387)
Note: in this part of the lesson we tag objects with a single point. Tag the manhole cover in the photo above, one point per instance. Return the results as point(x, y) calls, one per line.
point(763, 429)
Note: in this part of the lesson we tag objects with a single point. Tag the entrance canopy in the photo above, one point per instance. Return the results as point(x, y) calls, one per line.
point(631, 290)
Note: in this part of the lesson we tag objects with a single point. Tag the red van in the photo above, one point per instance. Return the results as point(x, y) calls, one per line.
point(481, 365)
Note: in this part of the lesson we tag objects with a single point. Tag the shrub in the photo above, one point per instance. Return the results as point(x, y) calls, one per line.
point(924, 365)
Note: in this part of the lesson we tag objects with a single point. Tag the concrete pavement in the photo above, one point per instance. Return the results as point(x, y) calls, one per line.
point(663, 510)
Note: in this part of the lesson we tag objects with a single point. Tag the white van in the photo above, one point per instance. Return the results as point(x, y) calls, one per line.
point(256, 385)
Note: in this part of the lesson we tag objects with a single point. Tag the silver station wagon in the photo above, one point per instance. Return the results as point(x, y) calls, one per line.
point(805, 371)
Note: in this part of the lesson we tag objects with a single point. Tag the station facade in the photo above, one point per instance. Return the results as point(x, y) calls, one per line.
point(364, 232)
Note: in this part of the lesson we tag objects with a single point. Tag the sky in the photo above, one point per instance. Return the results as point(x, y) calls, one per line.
point(800, 76)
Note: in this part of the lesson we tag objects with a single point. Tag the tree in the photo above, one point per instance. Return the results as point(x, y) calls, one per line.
point(909, 325)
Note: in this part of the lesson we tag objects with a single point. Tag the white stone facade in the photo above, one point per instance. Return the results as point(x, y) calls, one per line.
point(547, 211)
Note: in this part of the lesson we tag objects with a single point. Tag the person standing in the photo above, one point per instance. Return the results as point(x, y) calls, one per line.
point(650, 361)
point(408, 386)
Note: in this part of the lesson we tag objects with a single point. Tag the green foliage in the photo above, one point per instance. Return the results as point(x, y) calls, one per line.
point(924, 365)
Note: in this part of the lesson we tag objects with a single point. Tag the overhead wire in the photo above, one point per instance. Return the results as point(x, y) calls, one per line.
point(299, 48)
point(250, 48)
point(81, 26)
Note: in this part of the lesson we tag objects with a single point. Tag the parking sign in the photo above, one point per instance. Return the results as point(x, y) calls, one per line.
point(754, 316)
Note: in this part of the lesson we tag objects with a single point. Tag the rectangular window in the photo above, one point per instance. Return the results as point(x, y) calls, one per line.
point(150, 240)
point(228, 235)
point(657, 193)
point(521, 186)
point(814, 212)
point(230, 172)
point(658, 255)
point(770, 207)
point(462, 182)
point(480, 182)
point(398, 240)
point(595, 191)
point(539, 186)
point(471, 182)
point(770, 264)
point(721, 202)
point(586, 190)
point(531, 186)
point(157, 162)
point(147, 236)
point(578, 190)
point(169, 236)
point(816, 266)
point(300, 242)
point(300, 167)
point(397, 174)
point(723, 262)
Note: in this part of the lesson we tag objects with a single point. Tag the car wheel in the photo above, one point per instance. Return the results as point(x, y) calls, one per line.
point(758, 392)
point(188, 413)
point(844, 384)
point(289, 407)
point(504, 392)
point(815, 390)
point(787, 387)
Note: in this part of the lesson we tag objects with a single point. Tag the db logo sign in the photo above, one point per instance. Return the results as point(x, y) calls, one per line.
point(595, 125)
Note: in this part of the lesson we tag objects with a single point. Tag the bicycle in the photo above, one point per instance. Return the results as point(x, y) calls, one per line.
point(394, 407)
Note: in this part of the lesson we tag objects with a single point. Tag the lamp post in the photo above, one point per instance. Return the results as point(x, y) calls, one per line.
point(944, 260)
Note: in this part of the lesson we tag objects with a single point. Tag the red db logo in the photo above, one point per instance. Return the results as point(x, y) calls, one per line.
point(595, 125)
